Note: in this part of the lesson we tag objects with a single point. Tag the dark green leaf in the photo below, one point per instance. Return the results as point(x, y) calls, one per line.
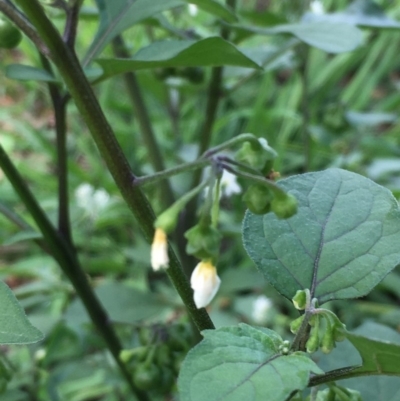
point(215, 8)
point(15, 328)
point(213, 51)
point(25, 73)
point(341, 243)
point(118, 15)
point(242, 363)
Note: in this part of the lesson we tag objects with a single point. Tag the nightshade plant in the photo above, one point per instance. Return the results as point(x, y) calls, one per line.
point(316, 237)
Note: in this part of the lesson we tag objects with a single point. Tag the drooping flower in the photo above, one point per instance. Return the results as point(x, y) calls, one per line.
point(261, 308)
point(205, 283)
point(159, 250)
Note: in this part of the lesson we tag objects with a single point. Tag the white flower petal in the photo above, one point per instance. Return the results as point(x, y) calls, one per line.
point(159, 250)
point(205, 283)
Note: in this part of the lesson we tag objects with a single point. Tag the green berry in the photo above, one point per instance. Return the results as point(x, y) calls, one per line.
point(203, 241)
point(258, 199)
point(10, 36)
point(284, 206)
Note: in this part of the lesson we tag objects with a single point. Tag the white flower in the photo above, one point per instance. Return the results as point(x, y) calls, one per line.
point(90, 200)
point(205, 283)
point(193, 10)
point(317, 7)
point(229, 184)
point(159, 250)
point(261, 307)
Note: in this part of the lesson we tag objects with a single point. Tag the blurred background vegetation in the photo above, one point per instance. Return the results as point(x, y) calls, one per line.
point(317, 110)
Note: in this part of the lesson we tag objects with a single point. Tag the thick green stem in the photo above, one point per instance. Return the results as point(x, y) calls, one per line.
point(66, 258)
point(91, 112)
point(143, 119)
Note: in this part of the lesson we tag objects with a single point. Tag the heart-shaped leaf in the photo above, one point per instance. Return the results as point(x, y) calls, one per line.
point(242, 363)
point(342, 242)
point(15, 328)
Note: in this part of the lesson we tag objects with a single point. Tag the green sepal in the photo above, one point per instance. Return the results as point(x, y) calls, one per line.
point(203, 241)
point(256, 155)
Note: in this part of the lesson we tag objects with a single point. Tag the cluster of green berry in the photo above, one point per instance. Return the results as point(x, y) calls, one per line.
point(156, 362)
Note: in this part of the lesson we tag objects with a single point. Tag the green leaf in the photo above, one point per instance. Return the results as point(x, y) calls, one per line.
point(342, 242)
point(15, 328)
point(378, 357)
point(213, 51)
point(123, 304)
point(23, 236)
point(215, 8)
point(242, 363)
point(365, 13)
point(118, 15)
point(22, 72)
point(331, 37)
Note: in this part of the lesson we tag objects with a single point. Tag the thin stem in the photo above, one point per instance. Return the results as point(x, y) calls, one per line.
point(242, 166)
point(71, 24)
point(60, 109)
point(256, 178)
point(103, 135)
point(182, 168)
point(230, 143)
point(142, 116)
point(69, 263)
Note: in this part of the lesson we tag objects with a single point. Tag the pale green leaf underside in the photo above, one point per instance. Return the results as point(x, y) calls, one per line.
point(242, 363)
point(332, 37)
point(341, 243)
point(15, 328)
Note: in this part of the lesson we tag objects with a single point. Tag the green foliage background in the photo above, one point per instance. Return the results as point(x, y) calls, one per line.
point(316, 108)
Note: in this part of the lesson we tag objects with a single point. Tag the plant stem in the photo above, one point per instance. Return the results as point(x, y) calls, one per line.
point(143, 119)
point(60, 110)
point(258, 179)
point(182, 168)
point(66, 258)
point(103, 135)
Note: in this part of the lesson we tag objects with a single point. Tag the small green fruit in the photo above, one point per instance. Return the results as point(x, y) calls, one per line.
point(258, 199)
point(203, 241)
point(284, 206)
point(10, 35)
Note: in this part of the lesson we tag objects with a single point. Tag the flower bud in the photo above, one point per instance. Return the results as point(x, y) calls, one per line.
point(312, 343)
point(300, 299)
point(159, 250)
point(205, 283)
point(284, 206)
point(296, 324)
point(203, 241)
point(258, 199)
